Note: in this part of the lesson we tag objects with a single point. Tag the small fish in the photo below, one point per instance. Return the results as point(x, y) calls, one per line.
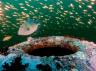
point(7, 38)
point(29, 27)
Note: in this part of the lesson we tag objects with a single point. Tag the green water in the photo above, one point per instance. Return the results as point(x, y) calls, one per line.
point(52, 20)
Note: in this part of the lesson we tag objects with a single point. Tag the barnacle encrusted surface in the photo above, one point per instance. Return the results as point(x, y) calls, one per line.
point(80, 60)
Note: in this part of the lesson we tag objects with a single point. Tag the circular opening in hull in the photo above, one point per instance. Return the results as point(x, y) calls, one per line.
point(53, 51)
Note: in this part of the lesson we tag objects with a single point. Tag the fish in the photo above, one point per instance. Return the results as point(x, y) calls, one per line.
point(29, 27)
point(16, 14)
point(7, 38)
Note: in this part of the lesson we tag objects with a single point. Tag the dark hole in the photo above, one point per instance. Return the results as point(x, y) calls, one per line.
point(49, 51)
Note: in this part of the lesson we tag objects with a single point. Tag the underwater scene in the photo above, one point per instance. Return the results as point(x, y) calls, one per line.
point(47, 35)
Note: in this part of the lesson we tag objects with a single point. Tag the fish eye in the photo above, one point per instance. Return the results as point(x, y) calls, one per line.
point(27, 28)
